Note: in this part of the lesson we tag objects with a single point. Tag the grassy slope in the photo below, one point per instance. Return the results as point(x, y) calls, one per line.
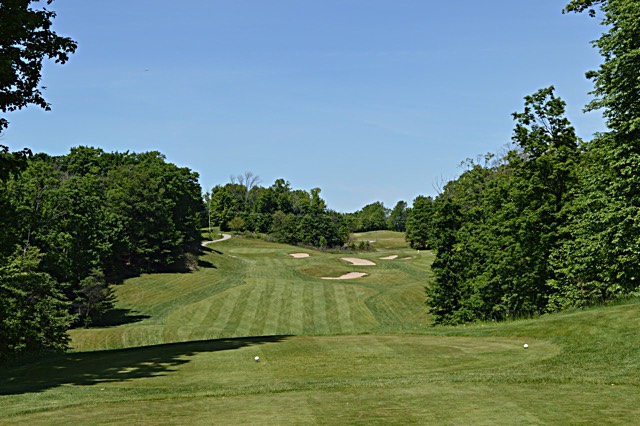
point(255, 288)
point(317, 365)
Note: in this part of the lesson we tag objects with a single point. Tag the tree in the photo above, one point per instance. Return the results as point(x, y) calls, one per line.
point(496, 227)
point(599, 260)
point(34, 314)
point(283, 227)
point(372, 217)
point(11, 163)
point(398, 217)
point(224, 206)
point(582, 5)
point(26, 38)
point(419, 225)
point(617, 88)
point(94, 298)
point(243, 187)
point(528, 222)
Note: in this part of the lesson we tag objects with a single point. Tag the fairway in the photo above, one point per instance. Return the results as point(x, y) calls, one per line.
point(181, 350)
point(249, 287)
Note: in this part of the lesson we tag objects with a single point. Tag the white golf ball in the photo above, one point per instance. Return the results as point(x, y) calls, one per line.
point(257, 358)
point(525, 346)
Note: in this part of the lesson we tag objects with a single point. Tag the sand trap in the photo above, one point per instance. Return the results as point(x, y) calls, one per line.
point(349, 276)
point(359, 262)
point(299, 255)
point(393, 256)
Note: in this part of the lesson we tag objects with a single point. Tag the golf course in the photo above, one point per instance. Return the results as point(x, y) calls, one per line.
point(181, 348)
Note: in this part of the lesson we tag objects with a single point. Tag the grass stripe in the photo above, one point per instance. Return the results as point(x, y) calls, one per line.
point(250, 308)
point(344, 308)
point(296, 313)
point(320, 310)
point(233, 318)
point(274, 310)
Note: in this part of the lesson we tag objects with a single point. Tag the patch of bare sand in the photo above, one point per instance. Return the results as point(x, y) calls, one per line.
point(299, 255)
point(393, 256)
point(349, 276)
point(359, 262)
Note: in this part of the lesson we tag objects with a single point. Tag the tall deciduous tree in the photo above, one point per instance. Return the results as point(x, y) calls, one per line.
point(419, 226)
point(600, 258)
point(616, 83)
point(497, 226)
point(397, 220)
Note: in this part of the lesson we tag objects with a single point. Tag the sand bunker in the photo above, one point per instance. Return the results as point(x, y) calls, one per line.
point(393, 256)
point(359, 262)
point(299, 255)
point(349, 276)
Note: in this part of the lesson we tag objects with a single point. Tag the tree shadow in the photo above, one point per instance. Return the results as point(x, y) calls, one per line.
point(206, 264)
point(116, 317)
point(92, 368)
point(210, 250)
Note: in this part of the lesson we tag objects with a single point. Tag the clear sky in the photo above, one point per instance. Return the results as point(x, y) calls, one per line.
point(370, 100)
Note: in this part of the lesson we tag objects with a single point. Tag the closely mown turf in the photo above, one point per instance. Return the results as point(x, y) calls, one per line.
point(182, 350)
point(250, 287)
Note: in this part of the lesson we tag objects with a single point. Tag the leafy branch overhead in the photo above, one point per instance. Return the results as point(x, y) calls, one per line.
point(26, 39)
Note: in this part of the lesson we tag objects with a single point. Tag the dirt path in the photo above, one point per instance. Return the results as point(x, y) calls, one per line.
point(224, 237)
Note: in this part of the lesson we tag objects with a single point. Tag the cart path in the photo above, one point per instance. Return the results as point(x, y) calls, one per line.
point(224, 237)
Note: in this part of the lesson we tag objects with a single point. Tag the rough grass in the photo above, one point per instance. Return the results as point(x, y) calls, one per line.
point(332, 352)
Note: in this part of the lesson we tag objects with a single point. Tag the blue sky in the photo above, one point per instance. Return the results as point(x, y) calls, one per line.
point(370, 100)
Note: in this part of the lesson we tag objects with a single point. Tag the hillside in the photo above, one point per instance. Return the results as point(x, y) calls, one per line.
point(248, 287)
point(331, 351)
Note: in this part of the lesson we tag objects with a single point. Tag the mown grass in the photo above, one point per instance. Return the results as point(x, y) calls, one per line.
point(332, 352)
point(251, 288)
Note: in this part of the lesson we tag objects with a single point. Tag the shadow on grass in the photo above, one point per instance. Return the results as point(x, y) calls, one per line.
point(92, 368)
point(206, 249)
point(118, 317)
point(206, 264)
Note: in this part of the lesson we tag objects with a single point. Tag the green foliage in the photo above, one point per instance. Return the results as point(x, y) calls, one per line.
point(397, 220)
point(94, 298)
point(92, 218)
point(11, 163)
point(26, 38)
point(372, 217)
point(237, 224)
point(617, 88)
point(582, 5)
point(598, 260)
point(550, 226)
point(497, 225)
point(419, 232)
point(34, 314)
point(289, 216)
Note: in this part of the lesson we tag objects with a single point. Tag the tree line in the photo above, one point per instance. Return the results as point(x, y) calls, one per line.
point(292, 216)
point(553, 222)
point(72, 224)
point(299, 217)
